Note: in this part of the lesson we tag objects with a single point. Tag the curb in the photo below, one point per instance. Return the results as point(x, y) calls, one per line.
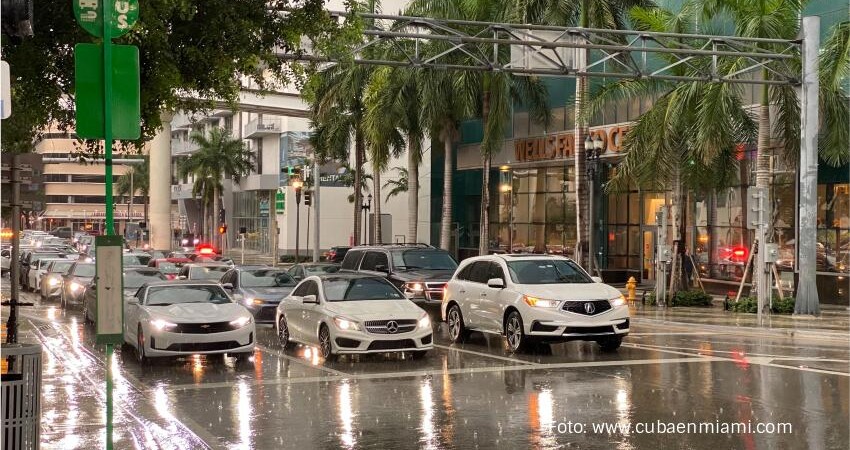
point(781, 332)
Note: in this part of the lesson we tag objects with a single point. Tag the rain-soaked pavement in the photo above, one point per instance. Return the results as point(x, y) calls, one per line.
point(476, 395)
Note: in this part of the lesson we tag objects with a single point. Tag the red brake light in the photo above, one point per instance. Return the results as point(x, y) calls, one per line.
point(206, 251)
point(740, 252)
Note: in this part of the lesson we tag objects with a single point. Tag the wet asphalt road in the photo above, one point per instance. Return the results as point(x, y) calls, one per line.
point(476, 395)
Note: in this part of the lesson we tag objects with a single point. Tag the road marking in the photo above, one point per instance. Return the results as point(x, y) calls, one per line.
point(281, 354)
point(440, 372)
point(502, 358)
point(692, 333)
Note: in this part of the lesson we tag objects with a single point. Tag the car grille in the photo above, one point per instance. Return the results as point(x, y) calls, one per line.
point(380, 326)
point(589, 330)
point(434, 291)
point(202, 346)
point(599, 306)
point(203, 328)
point(266, 314)
point(392, 345)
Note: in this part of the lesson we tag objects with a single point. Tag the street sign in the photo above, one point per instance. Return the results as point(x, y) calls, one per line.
point(5, 91)
point(124, 15)
point(109, 323)
point(279, 200)
point(88, 61)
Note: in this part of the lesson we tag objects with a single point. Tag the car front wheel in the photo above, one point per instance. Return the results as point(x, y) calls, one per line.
point(283, 333)
point(514, 332)
point(457, 331)
point(140, 347)
point(325, 346)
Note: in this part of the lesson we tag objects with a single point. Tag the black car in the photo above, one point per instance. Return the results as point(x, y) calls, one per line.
point(304, 270)
point(419, 270)
point(75, 282)
point(336, 254)
point(259, 288)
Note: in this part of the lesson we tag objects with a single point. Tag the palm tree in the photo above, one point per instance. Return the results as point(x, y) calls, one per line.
point(218, 156)
point(607, 14)
point(399, 185)
point(139, 177)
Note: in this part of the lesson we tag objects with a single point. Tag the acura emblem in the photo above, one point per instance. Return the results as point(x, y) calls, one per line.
point(589, 308)
point(392, 327)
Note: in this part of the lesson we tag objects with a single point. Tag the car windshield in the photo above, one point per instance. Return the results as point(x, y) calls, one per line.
point(169, 267)
point(318, 270)
point(169, 295)
point(61, 267)
point(39, 256)
point(136, 260)
point(423, 259)
point(353, 289)
point(546, 271)
point(84, 270)
point(134, 279)
point(266, 278)
point(207, 272)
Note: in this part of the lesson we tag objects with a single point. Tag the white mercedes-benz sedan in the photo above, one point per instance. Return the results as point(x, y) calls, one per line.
point(352, 313)
point(173, 318)
point(533, 299)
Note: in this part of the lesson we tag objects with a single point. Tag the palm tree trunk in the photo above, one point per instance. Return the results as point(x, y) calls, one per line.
point(484, 229)
point(412, 188)
point(712, 232)
point(763, 176)
point(446, 219)
point(205, 229)
point(376, 185)
point(358, 180)
point(582, 218)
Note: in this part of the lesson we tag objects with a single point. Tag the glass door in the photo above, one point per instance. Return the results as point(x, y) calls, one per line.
point(648, 256)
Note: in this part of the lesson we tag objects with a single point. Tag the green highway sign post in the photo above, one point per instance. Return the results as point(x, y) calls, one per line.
point(107, 86)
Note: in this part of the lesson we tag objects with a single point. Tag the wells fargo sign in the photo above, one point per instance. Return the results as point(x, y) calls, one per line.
point(562, 145)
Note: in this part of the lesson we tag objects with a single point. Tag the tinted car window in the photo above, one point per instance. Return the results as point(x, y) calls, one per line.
point(318, 270)
point(352, 259)
point(266, 278)
point(496, 271)
point(208, 272)
point(545, 271)
point(423, 259)
point(374, 259)
point(465, 272)
point(169, 295)
point(311, 289)
point(134, 279)
point(480, 271)
point(301, 289)
point(352, 289)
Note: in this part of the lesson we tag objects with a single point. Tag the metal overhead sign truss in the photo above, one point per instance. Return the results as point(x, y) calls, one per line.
point(554, 51)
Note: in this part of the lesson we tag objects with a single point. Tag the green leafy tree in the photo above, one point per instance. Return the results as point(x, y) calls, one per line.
point(138, 176)
point(178, 55)
point(397, 185)
point(218, 156)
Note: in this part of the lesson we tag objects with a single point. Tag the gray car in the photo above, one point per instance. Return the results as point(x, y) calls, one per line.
point(259, 289)
point(75, 282)
point(51, 282)
point(133, 279)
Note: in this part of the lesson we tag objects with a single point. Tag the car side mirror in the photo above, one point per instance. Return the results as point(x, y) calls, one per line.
point(597, 279)
point(496, 283)
point(310, 299)
point(381, 268)
point(228, 286)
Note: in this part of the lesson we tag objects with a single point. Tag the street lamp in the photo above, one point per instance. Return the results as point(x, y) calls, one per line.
point(366, 207)
point(593, 148)
point(297, 185)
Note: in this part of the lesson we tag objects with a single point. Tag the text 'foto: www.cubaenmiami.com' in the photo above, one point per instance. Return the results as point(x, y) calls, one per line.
point(662, 427)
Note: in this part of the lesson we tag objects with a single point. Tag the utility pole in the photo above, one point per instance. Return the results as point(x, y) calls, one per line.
point(662, 257)
point(297, 184)
point(273, 225)
point(15, 275)
point(317, 181)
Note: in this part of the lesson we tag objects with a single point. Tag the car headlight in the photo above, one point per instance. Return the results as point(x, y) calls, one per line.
point(414, 286)
point(76, 287)
point(618, 301)
point(160, 324)
point(346, 324)
point(249, 301)
point(240, 322)
point(540, 303)
point(424, 321)
point(53, 282)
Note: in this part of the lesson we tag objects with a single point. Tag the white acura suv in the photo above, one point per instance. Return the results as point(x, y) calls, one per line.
point(533, 298)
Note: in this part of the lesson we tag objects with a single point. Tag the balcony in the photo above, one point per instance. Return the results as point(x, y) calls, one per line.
point(259, 128)
point(181, 147)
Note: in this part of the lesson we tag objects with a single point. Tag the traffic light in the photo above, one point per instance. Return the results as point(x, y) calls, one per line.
point(308, 198)
point(222, 229)
point(221, 216)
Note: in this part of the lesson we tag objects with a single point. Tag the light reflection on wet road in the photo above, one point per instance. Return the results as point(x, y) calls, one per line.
point(459, 396)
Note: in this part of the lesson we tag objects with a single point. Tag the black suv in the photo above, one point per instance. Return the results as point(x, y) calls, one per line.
point(419, 270)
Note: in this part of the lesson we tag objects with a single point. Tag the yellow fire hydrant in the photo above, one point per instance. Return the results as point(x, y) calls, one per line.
point(631, 286)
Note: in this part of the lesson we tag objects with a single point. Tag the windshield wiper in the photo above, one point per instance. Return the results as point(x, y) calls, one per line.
point(408, 267)
point(160, 304)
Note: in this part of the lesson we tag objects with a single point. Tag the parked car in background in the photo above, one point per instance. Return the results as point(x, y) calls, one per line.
point(62, 232)
point(336, 254)
point(132, 280)
point(5, 261)
point(51, 281)
point(75, 282)
point(203, 271)
point(346, 313)
point(170, 267)
point(37, 271)
point(304, 270)
point(419, 270)
point(135, 259)
point(259, 288)
point(174, 318)
point(533, 299)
